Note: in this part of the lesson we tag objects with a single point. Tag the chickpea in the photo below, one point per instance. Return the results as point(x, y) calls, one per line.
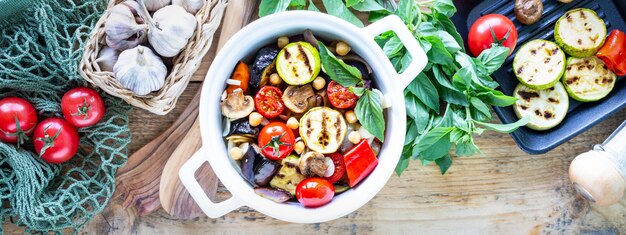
point(354, 137)
point(342, 48)
point(255, 119)
point(351, 117)
point(275, 79)
point(319, 83)
point(299, 147)
point(282, 42)
point(293, 123)
point(236, 153)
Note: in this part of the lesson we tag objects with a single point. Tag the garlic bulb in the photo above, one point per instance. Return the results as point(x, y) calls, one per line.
point(125, 27)
point(107, 58)
point(140, 70)
point(169, 29)
point(155, 5)
point(191, 6)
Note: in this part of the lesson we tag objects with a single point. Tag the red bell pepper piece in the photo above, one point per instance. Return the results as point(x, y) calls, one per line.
point(360, 161)
point(613, 53)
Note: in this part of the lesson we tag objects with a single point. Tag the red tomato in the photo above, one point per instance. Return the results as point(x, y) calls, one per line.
point(315, 192)
point(82, 107)
point(17, 120)
point(56, 140)
point(340, 167)
point(360, 161)
point(480, 37)
point(268, 101)
point(276, 141)
point(339, 96)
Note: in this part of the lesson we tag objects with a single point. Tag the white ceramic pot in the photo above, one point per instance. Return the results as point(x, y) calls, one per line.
point(245, 44)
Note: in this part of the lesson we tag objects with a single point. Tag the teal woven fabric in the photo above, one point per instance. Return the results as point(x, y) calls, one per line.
point(39, 54)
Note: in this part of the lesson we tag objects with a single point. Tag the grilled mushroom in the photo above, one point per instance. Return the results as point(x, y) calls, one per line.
point(295, 98)
point(316, 164)
point(236, 105)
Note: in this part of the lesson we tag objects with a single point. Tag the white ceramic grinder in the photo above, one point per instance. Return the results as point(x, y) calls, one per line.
point(600, 174)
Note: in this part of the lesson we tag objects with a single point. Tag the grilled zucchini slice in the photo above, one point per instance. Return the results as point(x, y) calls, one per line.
point(588, 79)
point(288, 176)
point(323, 129)
point(580, 32)
point(298, 63)
point(539, 64)
point(546, 108)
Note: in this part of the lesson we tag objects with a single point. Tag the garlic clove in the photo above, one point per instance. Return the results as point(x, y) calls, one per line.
point(140, 70)
point(169, 29)
point(155, 5)
point(123, 21)
point(127, 43)
point(191, 6)
point(107, 58)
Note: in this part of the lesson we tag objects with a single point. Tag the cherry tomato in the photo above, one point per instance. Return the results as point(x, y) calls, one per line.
point(315, 192)
point(276, 141)
point(56, 140)
point(340, 167)
point(480, 37)
point(268, 101)
point(82, 107)
point(17, 120)
point(339, 96)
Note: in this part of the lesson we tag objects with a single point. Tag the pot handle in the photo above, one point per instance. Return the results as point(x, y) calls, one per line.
point(187, 177)
point(395, 24)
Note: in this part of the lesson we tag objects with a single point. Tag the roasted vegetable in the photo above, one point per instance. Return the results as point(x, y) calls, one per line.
point(613, 53)
point(580, 32)
point(236, 105)
point(588, 79)
point(264, 57)
point(295, 98)
point(247, 164)
point(546, 108)
point(264, 171)
point(539, 64)
point(323, 129)
point(315, 164)
point(360, 162)
point(298, 63)
point(288, 176)
point(242, 126)
point(277, 195)
point(528, 11)
point(242, 75)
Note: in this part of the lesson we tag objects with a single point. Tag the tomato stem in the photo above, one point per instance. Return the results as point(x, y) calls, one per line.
point(275, 143)
point(21, 134)
point(47, 140)
point(497, 41)
point(83, 110)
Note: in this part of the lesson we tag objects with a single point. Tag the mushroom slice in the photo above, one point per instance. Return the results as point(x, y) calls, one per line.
point(313, 164)
point(237, 106)
point(295, 98)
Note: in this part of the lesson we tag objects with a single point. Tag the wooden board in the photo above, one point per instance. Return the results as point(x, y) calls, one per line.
point(504, 190)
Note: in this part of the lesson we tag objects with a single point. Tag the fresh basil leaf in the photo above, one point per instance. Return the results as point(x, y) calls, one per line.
point(464, 60)
point(404, 160)
point(442, 78)
point(453, 96)
point(369, 5)
point(405, 11)
point(449, 27)
point(466, 146)
point(298, 4)
point(396, 61)
point(393, 46)
point(423, 89)
point(463, 78)
point(444, 163)
point(339, 9)
point(459, 121)
point(433, 136)
point(337, 70)
point(405, 62)
point(377, 15)
point(350, 3)
point(497, 98)
point(456, 135)
point(425, 45)
point(438, 53)
point(427, 29)
point(268, 7)
point(448, 41)
point(369, 111)
point(417, 111)
point(445, 7)
point(312, 6)
point(504, 128)
point(493, 58)
point(358, 91)
point(480, 106)
point(438, 149)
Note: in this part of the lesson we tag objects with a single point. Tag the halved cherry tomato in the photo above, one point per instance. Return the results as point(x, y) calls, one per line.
point(360, 162)
point(241, 74)
point(340, 167)
point(276, 141)
point(339, 96)
point(82, 107)
point(17, 120)
point(268, 101)
point(480, 36)
point(613, 53)
point(56, 140)
point(315, 192)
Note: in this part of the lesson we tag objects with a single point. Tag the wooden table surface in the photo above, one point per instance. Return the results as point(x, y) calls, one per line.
point(501, 190)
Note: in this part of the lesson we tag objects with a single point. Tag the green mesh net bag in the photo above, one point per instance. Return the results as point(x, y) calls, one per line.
point(40, 48)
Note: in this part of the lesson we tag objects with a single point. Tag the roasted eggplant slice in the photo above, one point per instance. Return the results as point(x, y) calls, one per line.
point(247, 164)
point(263, 58)
point(264, 171)
point(277, 195)
point(242, 126)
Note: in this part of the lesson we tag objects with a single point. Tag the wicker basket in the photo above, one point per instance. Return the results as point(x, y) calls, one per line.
point(184, 64)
